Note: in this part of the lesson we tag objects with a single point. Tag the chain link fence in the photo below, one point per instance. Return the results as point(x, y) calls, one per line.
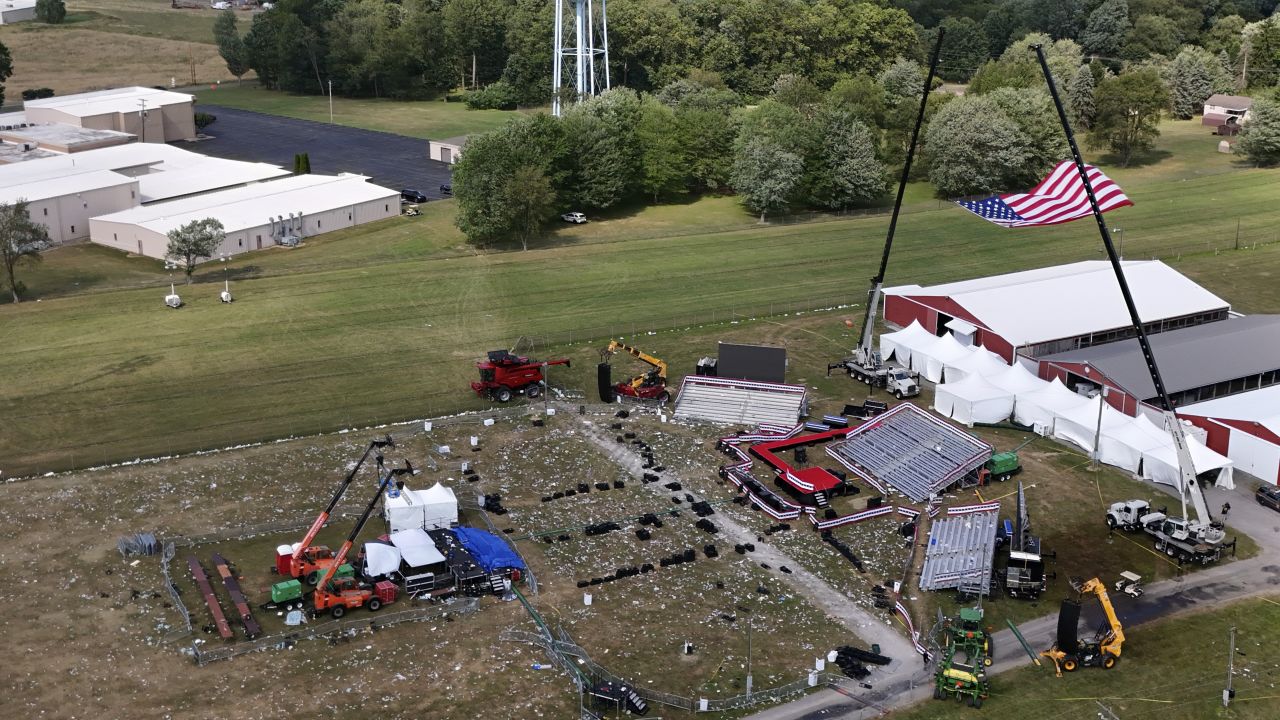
point(166, 556)
point(335, 629)
point(581, 668)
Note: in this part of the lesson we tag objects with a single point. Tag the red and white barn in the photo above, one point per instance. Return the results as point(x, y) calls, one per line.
point(1054, 309)
point(1244, 427)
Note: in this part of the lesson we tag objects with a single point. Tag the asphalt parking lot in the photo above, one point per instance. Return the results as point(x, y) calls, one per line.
point(393, 161)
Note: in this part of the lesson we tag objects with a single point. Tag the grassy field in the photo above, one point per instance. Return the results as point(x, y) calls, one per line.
point(108, 43)
point(1174, 669)
point(432, 119)
point(382, 322)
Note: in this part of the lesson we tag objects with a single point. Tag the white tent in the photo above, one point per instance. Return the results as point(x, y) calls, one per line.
point(440, 506)
point(380, 558)
point(1039, 408)
point(416, 547)
point(980, 361)
point(1079, 424)
point(930, 359)
point(1017, 379)
point(902, 343)
point(1123, 444)
point(973, 400)
point(433, 508)
point(1160, 463)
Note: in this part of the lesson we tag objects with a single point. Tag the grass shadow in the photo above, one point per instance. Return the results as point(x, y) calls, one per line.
point(1139, 159)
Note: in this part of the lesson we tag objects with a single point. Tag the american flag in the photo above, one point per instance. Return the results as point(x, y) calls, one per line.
point(1059, 198)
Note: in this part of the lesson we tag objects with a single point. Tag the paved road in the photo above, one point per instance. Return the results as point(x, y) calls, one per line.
point(904, 685)
point(393, 161)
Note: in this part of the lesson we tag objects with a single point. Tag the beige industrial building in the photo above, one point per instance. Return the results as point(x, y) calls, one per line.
point(66, 190)
point(13, 11)
point(448, 150)
point(155, 116)
point(281, 212)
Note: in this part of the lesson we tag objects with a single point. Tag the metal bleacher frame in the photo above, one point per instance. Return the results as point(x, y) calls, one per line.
point(908, 449)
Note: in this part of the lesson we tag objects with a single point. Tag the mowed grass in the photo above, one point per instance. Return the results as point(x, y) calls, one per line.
point(432, 119)
point(1173, 669)
point(383, 322)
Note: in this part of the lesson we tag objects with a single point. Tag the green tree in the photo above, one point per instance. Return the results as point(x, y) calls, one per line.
point(601, 133)
point(650, 44)
point(1058, 18)
point(528, 67)
point(1018, 66)
point(197, 240)
point(1105, 31)
point(532, 201)
point(21, 241)
point(1260, 138)
point(52, 12)
point(904, 79)
point(707, 135)
point(662, 157)
point(861, 96)
point(1080, 103)
point(845, 170)
point(973, 147)
point(1225, 35)
point(1260, 53)
point(964, 46)
point(1032, 111)
point(1151, 35)
point(1190, 78)
point(765, 176)
point(795, 91)
point(6, 68)
point(230, 45)
point(475, 33)
point(1008, 20)
point(1128, 113)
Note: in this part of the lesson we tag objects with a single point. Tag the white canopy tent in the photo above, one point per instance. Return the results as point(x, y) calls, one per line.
point(1039, 408)
point(930, 359)
point(416, 547)
point(1160, 463)
point(973, 400)
point(1079, 424)
point(440, 506)
point(380, 559)
point(1017, 379)
point(435, 507)
point(902, 343)
point(980, 361)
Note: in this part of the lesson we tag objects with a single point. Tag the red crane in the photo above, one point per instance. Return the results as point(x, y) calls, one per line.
point(338, 595)
point(307, 561)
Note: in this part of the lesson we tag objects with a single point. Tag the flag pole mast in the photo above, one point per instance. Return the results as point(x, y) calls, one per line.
point(1205, 528)
point(877, 282)
point(1143, 342)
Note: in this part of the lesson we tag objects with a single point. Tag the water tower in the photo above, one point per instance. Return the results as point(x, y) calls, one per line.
point(581, 55)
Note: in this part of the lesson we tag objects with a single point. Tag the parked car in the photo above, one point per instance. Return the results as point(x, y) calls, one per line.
point(1269, 496)
point(576, 218)
point(412, 196)
point(446, 190)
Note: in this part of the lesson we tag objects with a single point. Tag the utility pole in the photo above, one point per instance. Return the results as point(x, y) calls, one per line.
point(1227, 692)
point(749, 618)
point(142, 119)
point(1097, 435)
point(330, 102)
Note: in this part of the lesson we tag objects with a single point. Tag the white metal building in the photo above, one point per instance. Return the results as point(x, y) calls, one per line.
point(66, 190)
point(1244, 427)
point(254, 217)
point(1054, 309)
point(12, 11)
point(448, 150)
point(155, 116)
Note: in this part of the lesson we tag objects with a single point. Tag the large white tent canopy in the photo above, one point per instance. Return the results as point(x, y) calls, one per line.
point(380, 558)
point(902, 343)
point(973, 400)
point(980, 361)
point(1038, 408)
point(435, 507)
point(416, 547)
point(1017, 379)
point(932, 358)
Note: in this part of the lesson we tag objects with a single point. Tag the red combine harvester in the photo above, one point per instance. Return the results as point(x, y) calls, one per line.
point(503, 375)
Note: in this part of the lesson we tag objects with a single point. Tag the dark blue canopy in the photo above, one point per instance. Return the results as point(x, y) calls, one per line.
point(488, 549)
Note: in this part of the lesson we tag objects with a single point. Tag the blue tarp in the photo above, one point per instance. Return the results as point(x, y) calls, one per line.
point(488, 549)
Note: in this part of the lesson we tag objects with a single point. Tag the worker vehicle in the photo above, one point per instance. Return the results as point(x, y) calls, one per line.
point(446, 190)
point(307, 561)
point(503, 375)
point(1268, 496)
point(866, 367)
point(966, 653)
point(1179, 538)
point(413, 196)
point(411, 211)
point(576, 218)
point(340, 594)
point(963, 680)
point(651, 385)
point(1001, 466)
point(1024, 570)
point(1103, 651)
point(1130, 583)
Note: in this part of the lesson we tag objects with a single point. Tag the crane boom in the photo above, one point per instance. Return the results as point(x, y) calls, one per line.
point(323, 517)
point(656, 363)
point(1114, 643)
point(877, 282)
point(341, 557)
point(1205, 528)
